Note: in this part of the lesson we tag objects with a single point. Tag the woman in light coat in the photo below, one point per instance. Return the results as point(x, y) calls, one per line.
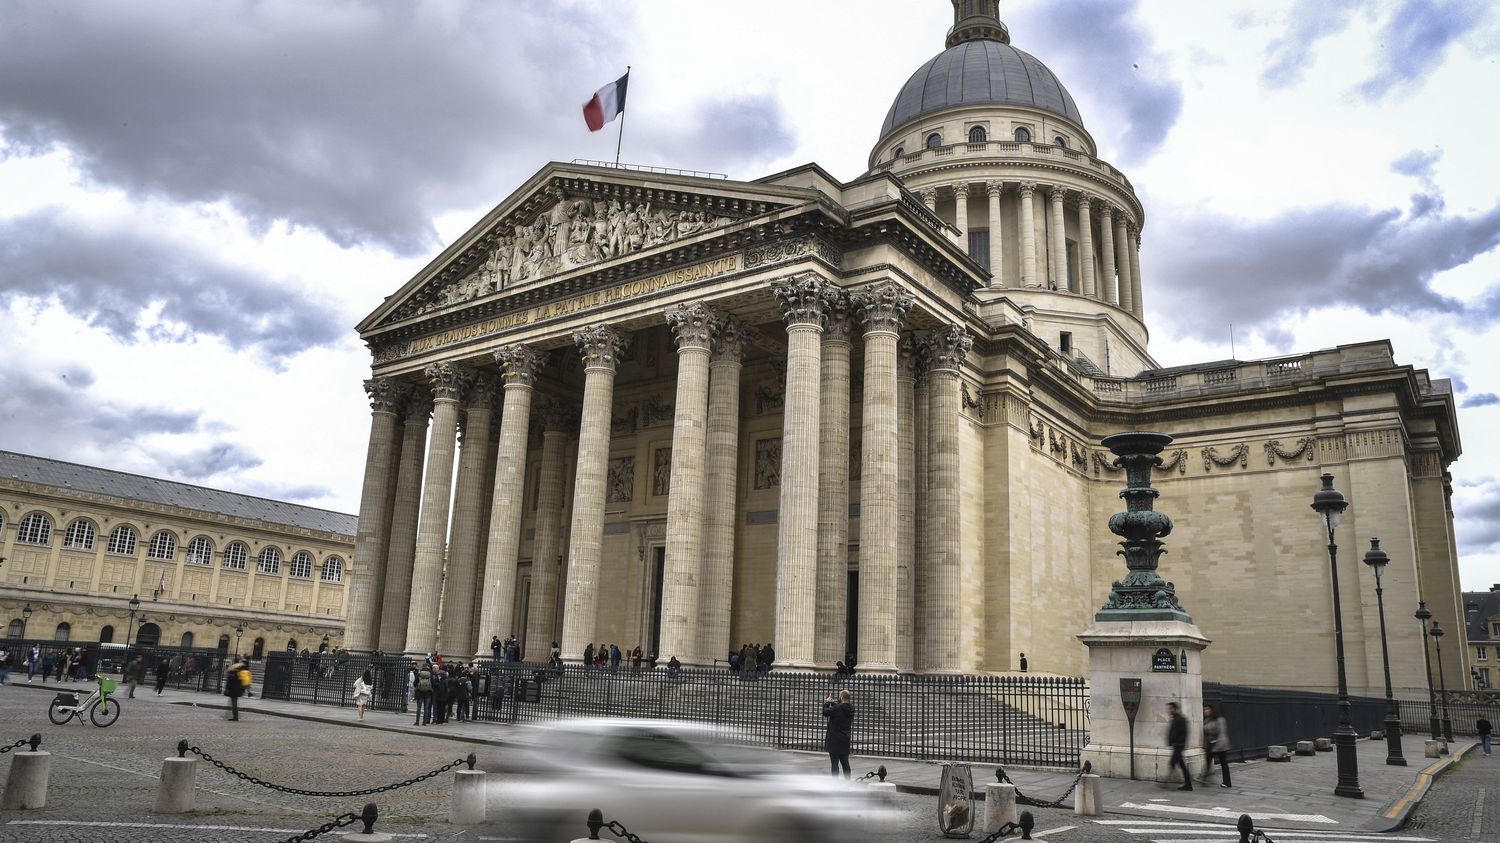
point(363, 686)
point(1215, 743)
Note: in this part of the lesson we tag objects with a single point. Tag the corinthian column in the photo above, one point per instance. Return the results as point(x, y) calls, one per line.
point(557, 418)
point(1122, 263)
point(803, 298)
point(600, 348)
point(922, 561)
point(833, 484)
point(961, 214)
point(1086, 247)
point(906, 500)
point(883, 308)
point(941, 608)
point(716, 599)
point(1133, 246)
point(929, 198)
point(996, 189)
point(1107, 252)
point(448, 383)
point(692, 326)
point(398, 568)
point(519, 365)
point(1059, 258)
point(455, 637)
point(1028, 235)
point(367, 574)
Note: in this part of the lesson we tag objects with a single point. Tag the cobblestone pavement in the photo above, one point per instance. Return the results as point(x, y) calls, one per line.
point(1463, 804)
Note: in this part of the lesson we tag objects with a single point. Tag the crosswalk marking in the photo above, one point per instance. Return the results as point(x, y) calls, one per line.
point(1169, 831)
point(1227, 814)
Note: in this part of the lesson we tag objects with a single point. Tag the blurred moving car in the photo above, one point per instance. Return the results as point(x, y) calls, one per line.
point(673, 782)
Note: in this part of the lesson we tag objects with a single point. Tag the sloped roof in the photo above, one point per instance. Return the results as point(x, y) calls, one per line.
point(1489, 606)
point(102, 481)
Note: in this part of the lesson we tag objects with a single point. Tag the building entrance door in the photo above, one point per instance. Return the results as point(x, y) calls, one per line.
point(851, 620)
point(658, 574)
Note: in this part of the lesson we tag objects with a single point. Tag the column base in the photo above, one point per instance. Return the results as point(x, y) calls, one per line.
point(1152, 763)
point(880, 669)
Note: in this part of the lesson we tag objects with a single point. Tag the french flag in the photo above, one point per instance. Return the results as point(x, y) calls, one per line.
point(607, 103)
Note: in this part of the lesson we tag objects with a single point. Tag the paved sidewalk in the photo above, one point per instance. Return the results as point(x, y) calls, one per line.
point(1292, 795)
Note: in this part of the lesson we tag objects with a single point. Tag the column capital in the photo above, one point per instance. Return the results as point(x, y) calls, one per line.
point(994, 187)
point(883, 306)
point(600, 346)
point(927, 195)
point(839, 310)
point(1106, 210)
point(1134, 231)
point(519, 364)
point(1086, 200)
point(482, 392)
point(418, 407)
point(1057, 193)
point(947, 346)
point(556, 414)
point(910, 357)
point(386, 394)
point(729, 340)
point(449, 381)
point(692, 326)
point(803, 298)
point(1026, 189)
point(961, 191)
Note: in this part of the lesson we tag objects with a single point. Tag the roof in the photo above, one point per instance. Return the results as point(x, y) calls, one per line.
point(102, 481)
point(980, 72)
point(1488, 603)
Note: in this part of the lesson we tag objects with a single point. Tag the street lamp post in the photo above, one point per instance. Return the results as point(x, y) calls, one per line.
point(1377, 560)
point(135, 605)
point(25, 619)
point(1330, 504)
point(1437, 639)
point(1423, 616)
point(238, 631)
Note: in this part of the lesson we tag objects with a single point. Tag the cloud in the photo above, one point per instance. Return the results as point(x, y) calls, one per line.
point(1414, 39)
point(1130, 102)
point(1482, 399)
point(1476, 515)
point(202, 463)
point(734, 134)
point(123, 275)
point(1288, 55)
point(52, 413)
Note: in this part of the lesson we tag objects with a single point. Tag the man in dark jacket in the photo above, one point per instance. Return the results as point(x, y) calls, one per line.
point(1482, 725)
point(494, 648)
point(588, 656)
point(163, 671)
point(236, 680)
point(135, 674)
point(840, 735)
point(439, 696)
point(422, 694)
point(614, 657)
point(1177, 735)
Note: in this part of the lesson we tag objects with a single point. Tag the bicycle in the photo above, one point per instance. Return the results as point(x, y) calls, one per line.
point(102, 710)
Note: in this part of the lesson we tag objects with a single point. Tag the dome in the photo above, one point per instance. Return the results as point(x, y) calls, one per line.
point(980, 72)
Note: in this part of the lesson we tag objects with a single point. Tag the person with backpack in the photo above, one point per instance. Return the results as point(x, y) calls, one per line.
point(422, 693)
point(462, 690)
point(236, 682)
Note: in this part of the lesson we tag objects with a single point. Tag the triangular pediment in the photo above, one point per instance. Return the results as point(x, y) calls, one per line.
point(568, 218)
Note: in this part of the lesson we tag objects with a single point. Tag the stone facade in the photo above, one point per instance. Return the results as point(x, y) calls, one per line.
point(893, 452)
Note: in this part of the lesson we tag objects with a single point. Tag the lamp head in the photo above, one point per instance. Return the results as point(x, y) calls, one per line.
point(135, 602)
point(1376, 558)
point(1421, 613)
point(1329, 503)
point(1437, 631)
point(26, 612)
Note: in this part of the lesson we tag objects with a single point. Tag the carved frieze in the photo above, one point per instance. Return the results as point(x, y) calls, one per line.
point(623, 422)
point(655, 411)
point(661, 471)
point(970, 402)
point(1304, 450)
point(620, 481)
point(1107, 463)
point(787, 249)
point(767, 463)
point(1178, 461)
point(1240, 454)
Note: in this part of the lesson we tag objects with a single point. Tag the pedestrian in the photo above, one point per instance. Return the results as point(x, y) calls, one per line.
point(33, 662)
point(1023, 662)
point(635, 659)
point(461, 692)
point(363, 686)
point(614, 658)
point(555, 654)
point(163, 670)
point(840, 735)
point(1177, 733)
point(135, 673)
point(65, 667)
point(1484, 728)
point(235, 685)
point(748, 662)
point(4, 664)
point(442, 696)
point(422, 690)
point(1215, 743)
point(49, 662)
point(588, 655)
point(494, 648)
point(767, 658)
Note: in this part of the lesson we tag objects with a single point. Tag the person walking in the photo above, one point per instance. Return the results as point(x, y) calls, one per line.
point(588, 655)
point(164, 670)
point(33, 662)
point(495, 648)
point(1023, 663)
point(1215, 743)
point(422, 690)
point(840, 735)
point(49, 663)
point(1177, 735)
point(135, 673)
point(4, 664)
point(65, 667)
point(461, 692)
point(364, 685)
point(235, 684)
point(1484, 729)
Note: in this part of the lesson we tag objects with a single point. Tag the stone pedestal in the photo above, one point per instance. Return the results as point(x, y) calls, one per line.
point(999, 806)
point(1126, 649)
point(175, 792)
point(467, 805)
point(26, 787)
point(1088, 799)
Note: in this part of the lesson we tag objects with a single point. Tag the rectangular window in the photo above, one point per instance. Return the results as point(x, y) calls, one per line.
point(1480, 653)
point(979, 246)
point(1072, 251)
point(1484, 678)
point(1496, 630)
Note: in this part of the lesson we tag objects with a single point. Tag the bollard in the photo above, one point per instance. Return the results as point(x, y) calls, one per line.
point(1089, 801)
point(1323, 745)
point(1277, 752)
point(369, 834)
point(27, 785)
point(1432, 749)
point(467, 805)
point(1305, 748)
point(1027, 823)
point(175, 791)
point(884, 792)
point(999, 805)
point(596, 822)
point(1246, 827)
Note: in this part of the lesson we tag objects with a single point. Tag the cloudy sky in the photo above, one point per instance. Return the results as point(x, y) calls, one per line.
point(198, 201)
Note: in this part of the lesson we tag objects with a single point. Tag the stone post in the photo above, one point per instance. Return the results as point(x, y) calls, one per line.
point(448, 385)
point(367, 568)
point(882, 308)
point(1137, 306)
point(906, 501)
point(961, 214)
point(1028, 235)
point(803, 300)
point(692, 327)
point(1086, 247)
point(398, 570)
point(1122, 264)
point(940, 609)
point(546, 547)
point(455, 636)
point(1107, 253)
point(833, 484)
point(996, 189)
point(175, 792)
point(519, 365)
point(1058, 238)
point(719, 499)
point(467, 805)
point(600, 348)
point(26, 784)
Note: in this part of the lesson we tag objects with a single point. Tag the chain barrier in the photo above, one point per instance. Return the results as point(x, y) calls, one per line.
point(34, 741)
point(877, 773)
point(368, 816)
point(1023, 799)
point(182, 747)
point(596, 823)
point(1024, 826)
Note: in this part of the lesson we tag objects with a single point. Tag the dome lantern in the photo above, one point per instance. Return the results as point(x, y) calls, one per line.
point(975, 20)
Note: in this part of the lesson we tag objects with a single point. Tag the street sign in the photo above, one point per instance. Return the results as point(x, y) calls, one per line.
point(1163, 661)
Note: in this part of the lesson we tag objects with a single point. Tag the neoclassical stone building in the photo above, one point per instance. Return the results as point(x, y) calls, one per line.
point(80, 541)
point(689, 412)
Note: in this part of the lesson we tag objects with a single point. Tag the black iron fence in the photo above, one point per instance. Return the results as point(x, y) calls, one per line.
point(188, 668)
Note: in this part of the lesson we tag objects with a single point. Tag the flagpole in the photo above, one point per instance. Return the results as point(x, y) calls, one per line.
point(620, 138)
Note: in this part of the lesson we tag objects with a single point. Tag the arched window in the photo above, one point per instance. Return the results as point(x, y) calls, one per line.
point(149, 635)
point(1023, 134)
point(934, 140)
point(64, 630)
point(200, 551)
point(35, 528)
point(234, 556)
point(270, 561)
point(900, 151)
point(977, 134)
point(259, 649)
point(80, 535)
point(224, 643)
point(122, 540)
point(15, 629)
point(187, 640)
point(301, 565)
point(1060, 141)
point(163, 546)
point(333, 569)
point(107, 635)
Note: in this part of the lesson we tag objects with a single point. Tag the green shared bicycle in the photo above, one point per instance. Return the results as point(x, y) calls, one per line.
point(101, 709)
